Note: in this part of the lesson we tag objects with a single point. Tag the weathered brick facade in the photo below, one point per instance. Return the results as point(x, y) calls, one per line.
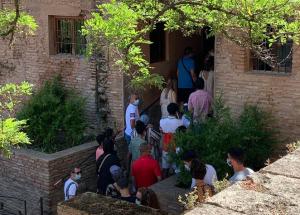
point(276, 93)
point(31, 60)
point(31, 175)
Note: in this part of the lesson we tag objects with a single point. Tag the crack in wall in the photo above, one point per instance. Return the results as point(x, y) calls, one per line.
point(280, 174)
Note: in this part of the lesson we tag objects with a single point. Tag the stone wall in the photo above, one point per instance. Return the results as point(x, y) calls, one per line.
point(31, 175)
point(91, 203)
point(278, 94)
point(33, 60)
point(275, 191)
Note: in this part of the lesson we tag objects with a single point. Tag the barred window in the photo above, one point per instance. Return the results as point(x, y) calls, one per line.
point(68, 37)
point(282, 54)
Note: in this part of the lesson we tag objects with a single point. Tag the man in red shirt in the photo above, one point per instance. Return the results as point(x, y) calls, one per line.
point(145, 170)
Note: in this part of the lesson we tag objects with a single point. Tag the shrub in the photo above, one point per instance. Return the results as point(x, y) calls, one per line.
point(212, 139)
point(256, 136)
point(55, 117)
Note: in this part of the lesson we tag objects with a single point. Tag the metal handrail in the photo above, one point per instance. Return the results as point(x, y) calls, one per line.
point(150, 106)
point(16, 198)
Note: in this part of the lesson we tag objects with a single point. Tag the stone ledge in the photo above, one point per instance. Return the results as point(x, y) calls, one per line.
point(277, 192)
point(93, 204)
point(50, 157)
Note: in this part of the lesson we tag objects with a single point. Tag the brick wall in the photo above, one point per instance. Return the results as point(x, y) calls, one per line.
point(30, 60)
point(278, 94)
point(31, 175)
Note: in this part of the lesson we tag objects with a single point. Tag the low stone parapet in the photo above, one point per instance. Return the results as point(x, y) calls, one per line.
point(93, 204)
point(30, 176)
point(273, 190)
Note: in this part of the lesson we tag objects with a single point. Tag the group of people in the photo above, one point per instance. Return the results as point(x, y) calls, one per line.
point(144, 168)
point(112, 179)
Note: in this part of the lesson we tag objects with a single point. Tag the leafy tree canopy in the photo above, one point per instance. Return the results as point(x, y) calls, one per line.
point(252, 24)
point(11, 134)
point(14, 21)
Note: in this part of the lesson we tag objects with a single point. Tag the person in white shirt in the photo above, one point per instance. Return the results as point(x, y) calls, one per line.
point(71, 185)
point(211, 174)
point(131, 116)
point(168, 128)
point(236, 160)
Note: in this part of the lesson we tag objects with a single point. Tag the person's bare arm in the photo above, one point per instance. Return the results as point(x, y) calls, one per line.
point(132, 123)
point(193, 74)
point(174, 99)
point(158, 178)
point(71, 196)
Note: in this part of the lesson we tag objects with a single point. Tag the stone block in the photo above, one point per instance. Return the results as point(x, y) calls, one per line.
point(168, 194)
point(91, 203)
point(288, 166)
point(206, 209)
point(244, 201)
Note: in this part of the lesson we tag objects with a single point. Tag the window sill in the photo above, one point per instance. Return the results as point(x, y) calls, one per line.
point(66, 57)
point(269, 73)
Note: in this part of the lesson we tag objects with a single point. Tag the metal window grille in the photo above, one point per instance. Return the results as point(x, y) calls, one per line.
point(69, 39)
point(282, 54)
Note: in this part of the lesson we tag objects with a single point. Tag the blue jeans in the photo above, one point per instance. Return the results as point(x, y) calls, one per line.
point(127, 138)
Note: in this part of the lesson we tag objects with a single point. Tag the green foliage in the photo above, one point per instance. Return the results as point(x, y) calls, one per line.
point(25, 24)
point(212, 139)
point(124, 24)
point(55, 117)
point(11, 134)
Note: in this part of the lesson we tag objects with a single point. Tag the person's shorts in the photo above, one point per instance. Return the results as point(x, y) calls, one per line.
point(184, 94)
point(127, 138)
point(165, 163)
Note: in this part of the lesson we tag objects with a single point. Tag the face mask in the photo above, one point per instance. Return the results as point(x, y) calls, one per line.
point(77, 177)
point(229, 162)
point(138, 202)
point(187, 167)
point(136, 102)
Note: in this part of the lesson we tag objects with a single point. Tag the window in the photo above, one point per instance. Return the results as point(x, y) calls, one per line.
point(283, 55)
point(158, 45)
point(68, 38)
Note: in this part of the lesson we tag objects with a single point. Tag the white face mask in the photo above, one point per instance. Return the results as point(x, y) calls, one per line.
point(229, 162)
point(138, 202)
point(136, 102)
point(77, 177)
point(187, 167)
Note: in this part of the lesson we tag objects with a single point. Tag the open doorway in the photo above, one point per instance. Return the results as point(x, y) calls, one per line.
point(164, 53)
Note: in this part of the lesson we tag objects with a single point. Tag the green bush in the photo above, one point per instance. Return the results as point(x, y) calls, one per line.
point(55, 117)
point(212, 139)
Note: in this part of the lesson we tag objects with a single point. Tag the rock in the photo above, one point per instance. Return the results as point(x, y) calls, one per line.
point(211, 209)
point(288, 166)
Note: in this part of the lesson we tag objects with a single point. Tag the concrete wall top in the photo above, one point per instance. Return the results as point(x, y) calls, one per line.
point(275, 190)
point(50, 157)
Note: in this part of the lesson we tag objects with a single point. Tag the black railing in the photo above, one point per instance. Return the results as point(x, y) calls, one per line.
point(150, 106)
point(8, 211)
point(19, 212)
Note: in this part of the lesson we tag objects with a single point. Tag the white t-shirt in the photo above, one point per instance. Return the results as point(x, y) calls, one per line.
point(72, 185)
point(170, 124)
point(210, 176)
point(240, 176)
point(131, 113)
